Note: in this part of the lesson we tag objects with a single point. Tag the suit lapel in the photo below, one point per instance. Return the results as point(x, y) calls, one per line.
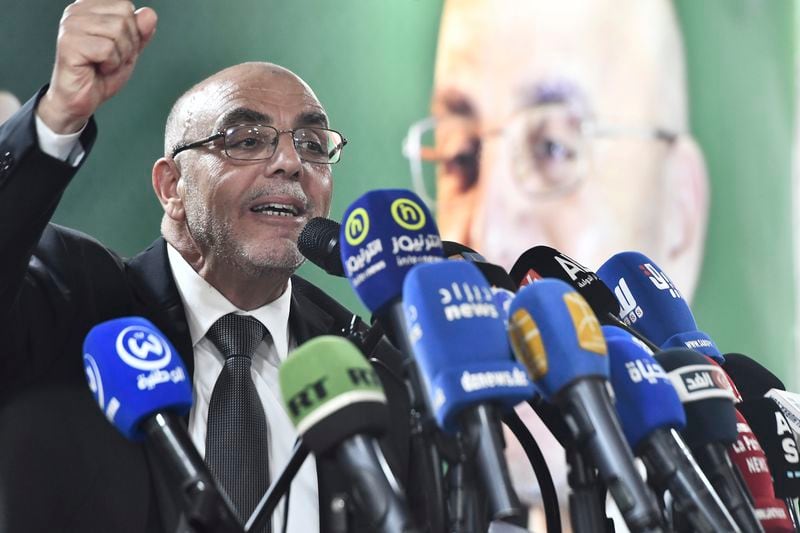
point(156, 298)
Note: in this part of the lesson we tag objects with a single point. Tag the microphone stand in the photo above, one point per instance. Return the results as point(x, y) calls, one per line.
point(586, 504)
point(277, 489)
point(207, 508)
point(552, 512)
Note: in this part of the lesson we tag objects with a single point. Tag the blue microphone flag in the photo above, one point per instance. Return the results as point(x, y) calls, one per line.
point(556, 335)
point(459, 340)
point(646, 399)
point(385, 233)
point(651, 304)
point(134, 371)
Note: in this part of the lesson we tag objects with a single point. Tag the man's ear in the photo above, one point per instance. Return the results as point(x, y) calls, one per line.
point(686, 213)
point(166, 179)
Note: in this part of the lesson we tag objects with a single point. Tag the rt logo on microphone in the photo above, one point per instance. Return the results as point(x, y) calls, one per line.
point(139, 347)
point(408, 214)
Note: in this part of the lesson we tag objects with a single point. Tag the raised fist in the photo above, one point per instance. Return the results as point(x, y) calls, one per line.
point(98, 44)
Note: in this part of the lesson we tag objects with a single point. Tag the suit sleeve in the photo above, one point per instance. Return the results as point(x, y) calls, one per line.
point(31, 185)
point(31, 293)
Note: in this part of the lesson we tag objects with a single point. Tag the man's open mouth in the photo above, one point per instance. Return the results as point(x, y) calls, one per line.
point(277, 209)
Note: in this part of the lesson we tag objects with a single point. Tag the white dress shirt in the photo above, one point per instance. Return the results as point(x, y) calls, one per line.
point(203, 305)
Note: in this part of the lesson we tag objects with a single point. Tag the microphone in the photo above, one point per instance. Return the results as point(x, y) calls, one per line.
point(767, 421)
point(319, 243)
point(503, 289)
point(385, 233)
point(707, 399)
point(544, 262)
point(558, 338)
point(335, 400)
point(778, 441)
point(494, 274)
point(141, 385)
point(461, 348)
point(650, 413)
point(749, 458)
point(651, 304)
point(752, 379)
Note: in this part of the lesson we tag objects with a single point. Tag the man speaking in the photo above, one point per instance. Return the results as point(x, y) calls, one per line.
point(247, 162)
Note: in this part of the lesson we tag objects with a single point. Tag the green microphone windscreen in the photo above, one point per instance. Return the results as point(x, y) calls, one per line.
point(331, 392)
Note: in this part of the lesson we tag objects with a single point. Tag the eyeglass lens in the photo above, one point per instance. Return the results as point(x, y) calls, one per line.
point(316, 145)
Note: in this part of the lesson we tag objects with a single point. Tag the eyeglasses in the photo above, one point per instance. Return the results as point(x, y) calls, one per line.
point(255, 142)
point(549, 149)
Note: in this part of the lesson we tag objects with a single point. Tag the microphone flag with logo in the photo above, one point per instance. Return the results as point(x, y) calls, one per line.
point(651, 412)
point(646, 399)
point(385, 233)
point(651, 304)
point(133, 371)
point(459, 341)
point(778, 441)
point(336, 401)
point(331, 392)
point(706, 395)
point(749, 457)
point(558, 338)
point(545, 262)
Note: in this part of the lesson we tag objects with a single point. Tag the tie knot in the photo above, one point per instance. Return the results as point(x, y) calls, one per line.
point(236, 335)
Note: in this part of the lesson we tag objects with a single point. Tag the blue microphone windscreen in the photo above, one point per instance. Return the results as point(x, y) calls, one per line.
point(556, 335)
point(697, 341)
point(706, 395)
point(650, 302)
point(459, 341)
point(134, 371)
point(384, 234)
point(502, 299)
point(645, 397)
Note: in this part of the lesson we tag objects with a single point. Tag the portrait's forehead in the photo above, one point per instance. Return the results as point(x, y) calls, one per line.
point(502, 55)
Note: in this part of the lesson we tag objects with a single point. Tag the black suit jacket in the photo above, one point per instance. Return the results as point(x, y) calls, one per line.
point(63, 467)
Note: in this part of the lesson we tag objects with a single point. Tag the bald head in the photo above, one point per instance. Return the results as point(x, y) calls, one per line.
point(8, 105)
point(195, 112)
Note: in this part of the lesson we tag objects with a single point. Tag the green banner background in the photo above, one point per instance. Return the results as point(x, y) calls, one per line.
point(371, 64)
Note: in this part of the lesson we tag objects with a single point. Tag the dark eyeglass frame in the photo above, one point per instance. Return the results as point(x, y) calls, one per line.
point(223, 135)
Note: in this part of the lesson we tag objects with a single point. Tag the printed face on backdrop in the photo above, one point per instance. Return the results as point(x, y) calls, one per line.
point(563, 123)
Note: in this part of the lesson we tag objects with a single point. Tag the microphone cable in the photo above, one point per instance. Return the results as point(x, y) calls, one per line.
point(532, 450)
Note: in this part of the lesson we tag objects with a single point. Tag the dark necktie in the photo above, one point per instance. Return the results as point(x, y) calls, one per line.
point(237, 445)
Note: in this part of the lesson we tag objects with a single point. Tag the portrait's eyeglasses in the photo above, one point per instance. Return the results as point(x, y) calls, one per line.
point(550, 149)
point(255, 142)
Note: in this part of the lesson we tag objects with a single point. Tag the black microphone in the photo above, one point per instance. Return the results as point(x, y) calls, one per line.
point(767, 421)
point(494, 274)
point(319, 243)
point(711, 427)
point(140, 384)
point(544, 262)
point(752, 379)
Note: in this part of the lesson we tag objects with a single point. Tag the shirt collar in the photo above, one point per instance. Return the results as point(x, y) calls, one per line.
point(204, 305)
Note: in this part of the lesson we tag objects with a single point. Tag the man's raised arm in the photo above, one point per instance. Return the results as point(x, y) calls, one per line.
point(98, 44)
